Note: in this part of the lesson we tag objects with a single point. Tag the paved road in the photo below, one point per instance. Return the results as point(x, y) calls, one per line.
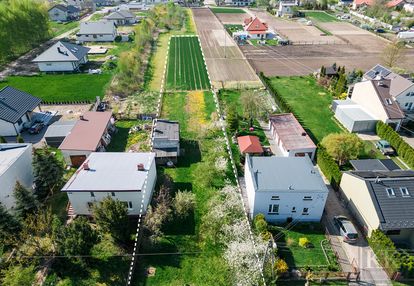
point(359, 255)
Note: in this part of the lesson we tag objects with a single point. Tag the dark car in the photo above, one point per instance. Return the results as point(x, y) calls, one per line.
point(36, 128)
point(346, 228)
point(380, 30)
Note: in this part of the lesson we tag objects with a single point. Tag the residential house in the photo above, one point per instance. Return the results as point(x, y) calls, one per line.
point(290, 137)
point(374, 96)
point(107, 2)
point(382, 199)
point(362, 3)
point(62, 57)
point(240, 3)
point(80, 4)
point(283, 188)
point(353, 116)
point(256, 29)
point(15, 165)
point(249, 145)
point(122, 17)
point(409, 7)
point(286, 8)
point(90, 134)
point(16, 110)
point(396, 3)
point(62, 13)
point(100, 31)
point(401, 87)
point(57, 132)
point(127, 177)
point(166, 140)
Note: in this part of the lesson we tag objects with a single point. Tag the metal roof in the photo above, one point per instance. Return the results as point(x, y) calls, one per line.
point(355, 112)
point(15, 103)
point(100, 27)
point(9, 153)
point(59, 129)
point(374, 165)
point(120, 14)
point(291, 174)
point(111, 171)
point(166, 129)
point(63, 52)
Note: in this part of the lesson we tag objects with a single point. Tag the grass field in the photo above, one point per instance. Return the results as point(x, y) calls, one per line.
point(310, 102)
point(227, 10)
point(59, 28)
point(321, 16)
point(61, 88)
point(122, 140)
point(231, 28)
point(186, 69)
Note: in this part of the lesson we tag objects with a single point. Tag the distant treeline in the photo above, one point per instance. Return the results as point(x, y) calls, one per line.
point(23, 26)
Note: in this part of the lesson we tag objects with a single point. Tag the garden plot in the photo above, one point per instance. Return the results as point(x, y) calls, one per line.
point(186, 69)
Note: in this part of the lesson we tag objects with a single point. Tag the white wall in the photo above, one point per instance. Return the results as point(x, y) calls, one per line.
point(98, 38)
point(57, 15)
point(360, 203)
point(7, 129)
point(21, 170)
point(404, 100)
point(79, 200)
point(250, 189)
point(57, 66)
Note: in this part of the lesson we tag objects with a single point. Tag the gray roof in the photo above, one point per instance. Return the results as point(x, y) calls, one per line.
point(99, 27)
point(391, 107)
point(60, 7)
point(120, 14)
point(285, 174)
point(73, 9)
point(9, 153)
point(110, 171)
point(355, 112)
point(15, 103)
point(60, 129)
point(69, 8)
point(374, 165)
point(166, 129)
point(63, 52)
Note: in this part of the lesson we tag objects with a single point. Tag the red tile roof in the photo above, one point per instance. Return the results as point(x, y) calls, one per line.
point(394, 3)
point(362, 2)
point(87, 132)
point(255, 25)
point(249, 144)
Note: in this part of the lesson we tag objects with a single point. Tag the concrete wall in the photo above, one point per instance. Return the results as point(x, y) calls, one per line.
point(20, 170)
point(357, 196)
point(80, 200)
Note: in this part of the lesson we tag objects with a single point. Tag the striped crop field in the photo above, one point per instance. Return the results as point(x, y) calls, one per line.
point(186, 69)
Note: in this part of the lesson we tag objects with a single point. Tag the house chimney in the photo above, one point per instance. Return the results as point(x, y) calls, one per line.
point(141, 167)
point(86, 166)
point(81, 117)
point(303, 133)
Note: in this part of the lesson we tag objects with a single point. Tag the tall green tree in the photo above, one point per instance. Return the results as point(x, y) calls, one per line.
point(18, 276)
point(232, 119)
point(252, 104)
point(343, 146)
point(9, 226)
point(48, 172)
point(26, 202)
point(112, 217)
point(340, 84)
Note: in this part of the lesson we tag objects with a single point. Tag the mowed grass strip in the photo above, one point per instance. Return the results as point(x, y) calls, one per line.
point(185, 68)
point(61, 88)
point(228, 10)
point(321, 16)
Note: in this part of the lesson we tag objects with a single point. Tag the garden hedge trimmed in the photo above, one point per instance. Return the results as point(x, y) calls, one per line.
point(405, 151)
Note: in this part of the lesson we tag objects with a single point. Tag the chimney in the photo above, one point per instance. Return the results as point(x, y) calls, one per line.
point(303, 133)
point(141, 167)
point(81, 117)
point(86, 166)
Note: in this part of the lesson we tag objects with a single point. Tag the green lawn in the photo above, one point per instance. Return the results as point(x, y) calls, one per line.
point(231, 28)
point(310, 103)
point(122, 140)
point(313, 283)
point(57, 29)
point(97, 16)
point(186, 69)
point(61, 88)
point(321, 16)
point(227, 10)
point(299, 257)
point(183, 235)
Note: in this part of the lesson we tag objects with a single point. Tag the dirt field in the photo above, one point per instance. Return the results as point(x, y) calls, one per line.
point(225, 63)
point(232, 18)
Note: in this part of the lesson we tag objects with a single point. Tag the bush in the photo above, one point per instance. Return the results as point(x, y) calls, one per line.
point(329, 167)
point(280, 267)
point(118, 38)
point(260, 224)
point(184, 203)
point(304, 242)
point(19, 139)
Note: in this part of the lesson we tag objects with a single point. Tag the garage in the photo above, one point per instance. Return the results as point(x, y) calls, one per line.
point(354, 118)
point(77, 160)
point(57, 132)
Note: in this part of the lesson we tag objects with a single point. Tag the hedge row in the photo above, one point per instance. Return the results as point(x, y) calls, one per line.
point(405, 151)
point(389, 257)
point(329, 167)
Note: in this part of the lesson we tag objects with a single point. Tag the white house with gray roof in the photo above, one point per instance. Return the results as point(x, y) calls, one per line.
point(62, 57)
point(15, 165)
point(16, 109)
point(382, 199)
point(127, 177)
point(100, 31)
point(284, 188)
point(122, 17)
point(62, 13)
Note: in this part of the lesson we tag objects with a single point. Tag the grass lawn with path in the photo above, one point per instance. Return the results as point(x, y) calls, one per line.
point(321, 16)
point(227, 10)
point(61, 88)
point(57, 29)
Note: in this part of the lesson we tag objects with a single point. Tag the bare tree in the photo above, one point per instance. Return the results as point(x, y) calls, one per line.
point(393, 53)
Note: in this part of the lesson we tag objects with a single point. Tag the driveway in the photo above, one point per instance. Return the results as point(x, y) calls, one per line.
point(360, 255)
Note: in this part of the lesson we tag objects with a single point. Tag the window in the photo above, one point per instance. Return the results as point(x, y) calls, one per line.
point(404, 192)
point(293, 209)
point(273, 209)
point(20, 121)
point(275, 198)
point(305, 211)
point(113, 194)
point(410, 93)
point(130, 205)
point(307, 198)
point(389, 101)
point(390, 192)
point(92, 194)
point(48, 65)
point(393, 232)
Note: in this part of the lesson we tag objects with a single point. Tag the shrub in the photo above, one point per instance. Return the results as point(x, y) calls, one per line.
point(304, 242)
point(329, 167)
point(19, 139)
point(259, 223)
point(118, 38)
point(184, 203)
point(280, 267)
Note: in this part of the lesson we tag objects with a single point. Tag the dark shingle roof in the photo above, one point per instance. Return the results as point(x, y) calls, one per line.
point(15, 103)
point(72, 9)
point(374, 165)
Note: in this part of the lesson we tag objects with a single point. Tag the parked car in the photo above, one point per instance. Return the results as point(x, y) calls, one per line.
point(384, 147)
point(379, 30)
point(36, 128)
point(346, 229)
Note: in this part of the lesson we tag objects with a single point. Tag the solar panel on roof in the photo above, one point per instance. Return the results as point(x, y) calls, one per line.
point(381, 70)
